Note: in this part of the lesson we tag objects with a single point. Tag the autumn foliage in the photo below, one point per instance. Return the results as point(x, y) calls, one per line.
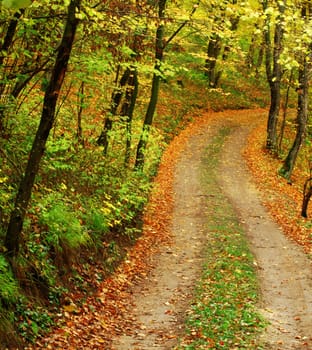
point(282, 198)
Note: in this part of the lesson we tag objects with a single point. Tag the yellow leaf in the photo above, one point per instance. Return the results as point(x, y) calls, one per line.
point(71, 308)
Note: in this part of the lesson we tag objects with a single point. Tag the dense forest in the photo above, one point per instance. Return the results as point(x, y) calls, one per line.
point(91, 93)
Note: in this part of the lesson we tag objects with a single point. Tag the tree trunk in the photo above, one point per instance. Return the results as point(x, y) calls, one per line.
point(307, 194)
point(252, 58)
point(7, 42)
point(275, 93)
point(8, 39)
point(47, 118)
point(215, 45)
point(213, 52)
point(302, 119)
point(128, 109)
point(81, 98)
point(117, 94)
point(260, 59)
point(159, 52)
point(136, 43)
point(160, 46)
point(274, 74)
point(285, 109)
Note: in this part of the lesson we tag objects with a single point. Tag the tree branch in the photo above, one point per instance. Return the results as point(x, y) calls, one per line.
point(173, 35)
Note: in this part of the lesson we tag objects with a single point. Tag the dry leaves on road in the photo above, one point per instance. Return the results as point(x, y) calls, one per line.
point(283, 200)
point(102, 315)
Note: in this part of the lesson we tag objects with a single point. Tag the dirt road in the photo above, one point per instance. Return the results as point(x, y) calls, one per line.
point(285, 273)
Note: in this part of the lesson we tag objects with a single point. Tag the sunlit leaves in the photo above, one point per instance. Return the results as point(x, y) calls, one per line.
point(16, 4)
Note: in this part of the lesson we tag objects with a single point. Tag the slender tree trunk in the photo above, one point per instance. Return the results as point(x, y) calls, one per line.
point(214, 49)
point(307, 194)
point(117, 95)
point(213, 52)
point(285, 109)
point(136, 46)
point(8, 39)
point(260, 59)
point(227, 49)
point(274, 75)
point(159, 52)
point(128, 109)
point(47, 118)
point(271, 142)
point(160, 46)
point(81, 98)
point(139, 163)
point(7, 42)
point(250, 57)
point(302, 119)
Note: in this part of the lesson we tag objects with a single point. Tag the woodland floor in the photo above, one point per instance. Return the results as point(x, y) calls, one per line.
point(142, 306)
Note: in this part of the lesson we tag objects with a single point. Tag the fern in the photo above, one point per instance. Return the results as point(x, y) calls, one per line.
point(8, 285)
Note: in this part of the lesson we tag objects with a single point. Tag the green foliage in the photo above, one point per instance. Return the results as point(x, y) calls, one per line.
point(37, 259)
point(9, 293)
point(241, 92)
point(6, 196)
point(7, 322)
point(58, 155)
point(32, 320)
point(64, 231)
point(189, 65)
point(16, 4)
point(8, 285)
point(96, 221)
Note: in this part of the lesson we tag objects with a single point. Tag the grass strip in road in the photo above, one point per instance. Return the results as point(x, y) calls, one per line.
point(224, 313)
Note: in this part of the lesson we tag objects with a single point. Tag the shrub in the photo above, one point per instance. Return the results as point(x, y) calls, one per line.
point(62, 232)
point(8, 285)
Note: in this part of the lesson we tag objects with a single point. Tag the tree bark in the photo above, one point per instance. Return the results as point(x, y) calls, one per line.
point(148, 120)
point(274, 74)
point(81, 98)
point(7, 42)
point(8, 39)
point(128, 109)
point(307, 194)
point(285, 109)
point(302, 119)
point(117, 94)
point(215, 45)
point(213, 52)
point(47, 118)
point(160, 46)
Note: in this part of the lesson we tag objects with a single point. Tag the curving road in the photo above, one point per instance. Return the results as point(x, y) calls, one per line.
point(285, 274)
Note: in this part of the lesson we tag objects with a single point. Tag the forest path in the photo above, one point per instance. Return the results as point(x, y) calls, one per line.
point(161, 299)
point(285, 273)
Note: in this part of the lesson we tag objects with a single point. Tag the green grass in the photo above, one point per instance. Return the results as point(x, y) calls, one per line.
point(224, 313)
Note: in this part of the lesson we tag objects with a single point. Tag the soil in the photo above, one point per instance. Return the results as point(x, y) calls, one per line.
point(161, 299)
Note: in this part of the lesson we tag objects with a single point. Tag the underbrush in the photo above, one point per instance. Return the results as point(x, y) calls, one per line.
point(83, 218)
point(238, 88)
